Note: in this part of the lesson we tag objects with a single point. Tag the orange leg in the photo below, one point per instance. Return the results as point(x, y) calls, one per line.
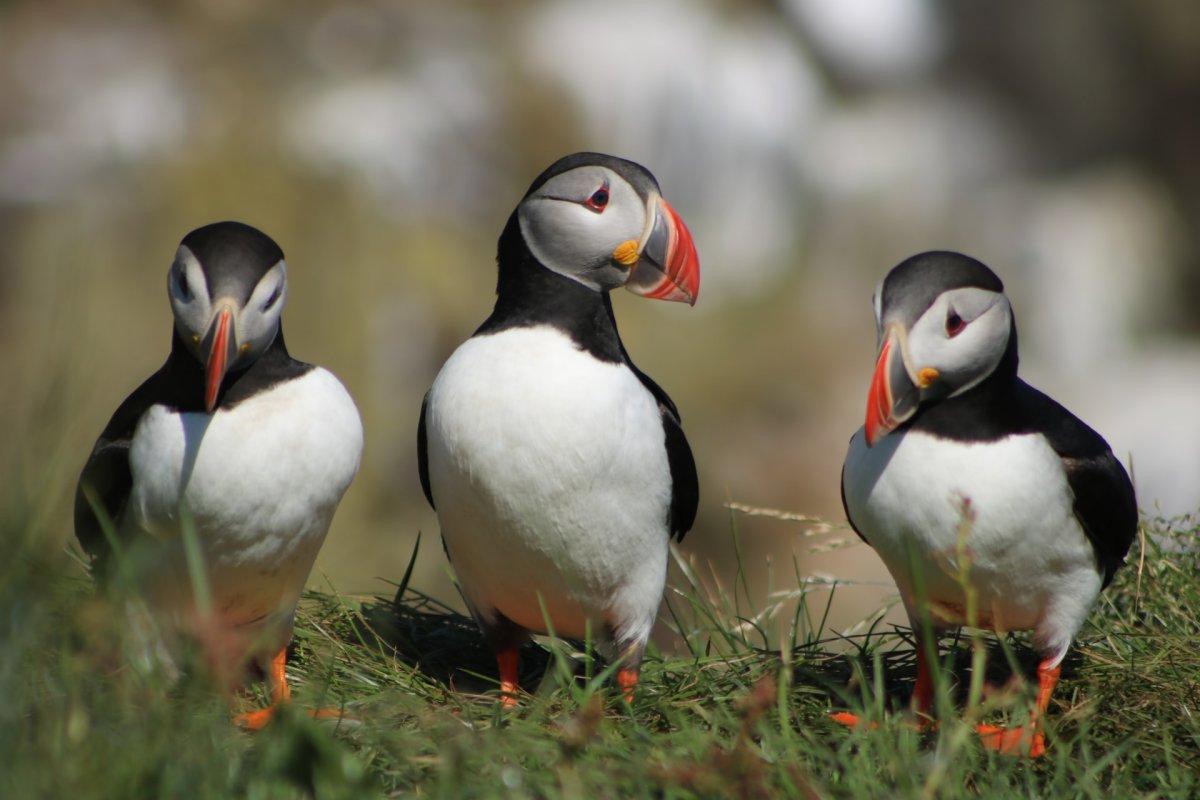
point(627, 681)
point(280, 693)
point(508, 660)
point(1013, 741)
point(922, 698)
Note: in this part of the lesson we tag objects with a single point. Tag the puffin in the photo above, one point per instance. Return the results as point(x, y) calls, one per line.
point(991, 505)
point(233, 450)
point(559, 471)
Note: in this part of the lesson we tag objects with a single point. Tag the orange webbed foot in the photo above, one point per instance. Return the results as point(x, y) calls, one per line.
point(848, 719)
point(1028, 740)
point(627, 681)
point(259, 718)
point(280, 694)
point(1012, 741)
point(255, 720)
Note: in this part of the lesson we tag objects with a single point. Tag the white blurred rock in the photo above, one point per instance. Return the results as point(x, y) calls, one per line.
point(881, 41)
point(718, 106)
point(1099, 266)
point(93, 96)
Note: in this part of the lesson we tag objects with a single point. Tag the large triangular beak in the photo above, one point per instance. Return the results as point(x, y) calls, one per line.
point(668, 267)
point(221, 345)
point(893, 397)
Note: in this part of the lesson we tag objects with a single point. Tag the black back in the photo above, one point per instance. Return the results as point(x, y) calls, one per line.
point(178, 385)
point(529, 294)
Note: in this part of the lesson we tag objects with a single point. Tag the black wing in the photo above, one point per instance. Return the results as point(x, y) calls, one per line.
point(1105, 504)
point(846, 508)
point(423, 454)
point(685, 484)
point(106, 473)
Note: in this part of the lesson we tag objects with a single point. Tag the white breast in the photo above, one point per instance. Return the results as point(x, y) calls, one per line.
point(549, 472)
point(1029, 562)
point(261, 479)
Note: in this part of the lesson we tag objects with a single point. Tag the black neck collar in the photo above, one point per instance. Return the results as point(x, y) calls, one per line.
point(984, 412)
point(184, 375)
point(529, 294)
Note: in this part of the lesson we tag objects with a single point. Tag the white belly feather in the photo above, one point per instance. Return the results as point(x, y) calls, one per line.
point(261, 479)
point(1030, 563)
point(549, 472)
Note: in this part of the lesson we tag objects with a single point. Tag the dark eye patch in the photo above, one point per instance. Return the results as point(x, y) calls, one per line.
point(954, 324)
point(274, 298)
point(185, 291)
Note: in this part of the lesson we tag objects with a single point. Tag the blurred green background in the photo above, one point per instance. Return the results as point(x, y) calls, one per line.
point(809, 144)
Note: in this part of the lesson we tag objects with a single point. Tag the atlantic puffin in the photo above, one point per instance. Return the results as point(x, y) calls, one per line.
point(234, 440)
point(966, 477)
point(558, 470)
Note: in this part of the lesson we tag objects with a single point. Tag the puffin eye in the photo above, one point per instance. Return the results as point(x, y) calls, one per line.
point(598, 200)
point(954, 324)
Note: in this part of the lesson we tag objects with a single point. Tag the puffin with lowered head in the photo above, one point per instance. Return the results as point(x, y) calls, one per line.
point(232, 443)
point(558, 470)
point(968, 481)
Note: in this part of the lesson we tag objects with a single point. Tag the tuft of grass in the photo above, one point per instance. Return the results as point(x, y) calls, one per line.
point(739, 711)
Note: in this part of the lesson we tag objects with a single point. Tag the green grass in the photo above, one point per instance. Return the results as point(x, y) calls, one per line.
point(739, 712)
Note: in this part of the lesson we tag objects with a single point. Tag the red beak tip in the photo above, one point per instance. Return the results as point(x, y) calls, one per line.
point(217, 363)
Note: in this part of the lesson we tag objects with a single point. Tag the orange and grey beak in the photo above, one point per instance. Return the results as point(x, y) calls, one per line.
point(893, 396)
point(667, 267)
point(221, 345)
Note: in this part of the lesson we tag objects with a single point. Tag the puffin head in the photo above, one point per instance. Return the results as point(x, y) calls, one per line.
point(602, 221)
point(228, 285)
point(944, 326)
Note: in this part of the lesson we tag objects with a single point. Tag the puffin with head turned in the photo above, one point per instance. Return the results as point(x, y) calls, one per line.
point(232, 443)
point(991, 505)
point(558, 470)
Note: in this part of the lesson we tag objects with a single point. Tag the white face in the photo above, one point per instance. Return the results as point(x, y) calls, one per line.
point(963, 336)
point(575, 221)
point(254, 325)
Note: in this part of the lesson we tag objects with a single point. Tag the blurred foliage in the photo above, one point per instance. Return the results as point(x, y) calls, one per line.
point(742, 712)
